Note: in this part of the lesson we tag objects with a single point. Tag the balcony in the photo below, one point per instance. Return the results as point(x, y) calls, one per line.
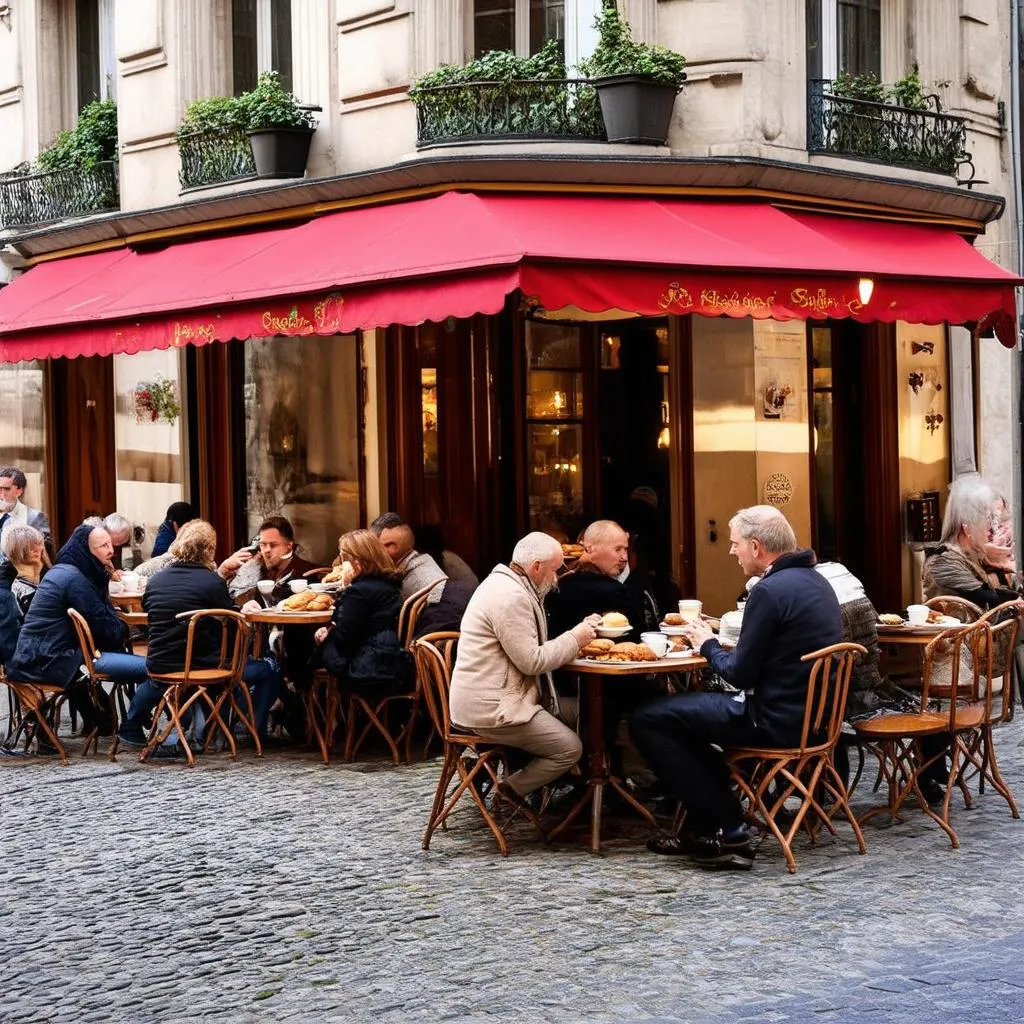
point(525, 110)
point(924, 139)
point(29, 198)
point(215, 157)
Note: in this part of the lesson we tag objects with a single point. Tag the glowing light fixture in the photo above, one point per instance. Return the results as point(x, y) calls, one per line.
point(865, 289)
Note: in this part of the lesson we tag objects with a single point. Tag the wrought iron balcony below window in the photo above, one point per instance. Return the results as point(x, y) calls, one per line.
point(526, 109)
point(214, 157)
point(29, 198)
point(925, 139)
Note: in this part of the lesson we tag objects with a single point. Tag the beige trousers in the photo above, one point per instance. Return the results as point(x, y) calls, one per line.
point(556, 748)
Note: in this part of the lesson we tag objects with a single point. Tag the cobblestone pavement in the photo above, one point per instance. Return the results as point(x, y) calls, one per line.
point(286, 891)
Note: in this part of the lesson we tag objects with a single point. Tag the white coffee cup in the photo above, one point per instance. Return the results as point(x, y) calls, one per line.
point(265, 587)
point(130, 581)
point(690, 610)
point(657, 642)
point(917, 614)
point(298, 585)
point(116, 587)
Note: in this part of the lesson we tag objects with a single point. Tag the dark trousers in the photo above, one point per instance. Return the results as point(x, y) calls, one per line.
point(676, 734)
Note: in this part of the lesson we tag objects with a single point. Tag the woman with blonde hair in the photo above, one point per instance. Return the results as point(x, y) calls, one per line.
point(361, 648)
point(25, 549)
point(188, 583)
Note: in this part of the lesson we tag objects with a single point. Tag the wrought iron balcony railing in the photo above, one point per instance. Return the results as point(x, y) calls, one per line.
point(925, 139)
point(529, 109)
point(35, 197)
point(214, 157)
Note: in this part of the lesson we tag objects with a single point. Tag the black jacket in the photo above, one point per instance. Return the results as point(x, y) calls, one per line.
point(362, 645)
point(48, 649)
point(790, 613)
point(10, 617)
point(586, 591)
point(183, 587)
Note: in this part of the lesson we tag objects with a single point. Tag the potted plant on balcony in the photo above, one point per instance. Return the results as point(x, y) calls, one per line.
point(88, 155)
point(280, 128)
point(636, 83)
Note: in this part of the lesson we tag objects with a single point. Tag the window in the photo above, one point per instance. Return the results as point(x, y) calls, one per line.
point(149, 437)
point(302, 454)
point(843, 35)
point(261, 40)
point(95, 58)
point(23, 426)
point(522, 26)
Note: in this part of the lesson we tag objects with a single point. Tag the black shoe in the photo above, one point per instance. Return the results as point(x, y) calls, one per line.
point(131, 739)
point(672, 846)
point(529, 803)
point(168, 752)
point(718, 853)
point(932, 791)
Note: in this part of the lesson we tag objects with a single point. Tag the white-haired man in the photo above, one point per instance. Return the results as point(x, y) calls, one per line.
point(501, 687)
point(792, 611)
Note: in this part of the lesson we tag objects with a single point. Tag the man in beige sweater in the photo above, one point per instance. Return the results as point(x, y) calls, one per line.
point(501, 685)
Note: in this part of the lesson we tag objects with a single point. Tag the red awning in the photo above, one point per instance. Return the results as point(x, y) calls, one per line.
point(461, 253)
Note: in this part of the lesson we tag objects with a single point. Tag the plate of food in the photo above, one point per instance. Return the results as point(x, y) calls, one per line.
point(672, 624)
point(306, 601)
point(613, 624)
point(570, 551)
point(624, 653)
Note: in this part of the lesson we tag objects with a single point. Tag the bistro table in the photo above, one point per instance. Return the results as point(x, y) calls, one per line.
point(595, 674)
point(277, 617)
point(130, 600)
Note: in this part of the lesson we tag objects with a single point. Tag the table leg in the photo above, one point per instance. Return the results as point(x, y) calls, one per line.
point(598, 768)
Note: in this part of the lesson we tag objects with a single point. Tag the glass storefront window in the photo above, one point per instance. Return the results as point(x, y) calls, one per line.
point(23, 426)
point(554, 410)
point(302, 438)
point(149, 425)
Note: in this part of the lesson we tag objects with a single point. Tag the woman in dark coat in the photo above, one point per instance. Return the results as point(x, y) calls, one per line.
point(189, 583)
point(48, 650)
point(361, 648)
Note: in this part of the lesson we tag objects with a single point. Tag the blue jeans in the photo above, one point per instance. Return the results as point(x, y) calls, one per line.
point(262, 678)
point(122, 668)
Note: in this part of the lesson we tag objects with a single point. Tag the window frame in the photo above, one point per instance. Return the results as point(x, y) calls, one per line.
point(827, 12)
point(521, 26)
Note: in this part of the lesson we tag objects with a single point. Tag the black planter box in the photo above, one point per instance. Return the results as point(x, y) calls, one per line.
point(636, 109)
point(281, 152)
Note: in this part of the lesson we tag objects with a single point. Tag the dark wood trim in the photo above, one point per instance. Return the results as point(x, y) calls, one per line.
point(682, 467)
point(882, 520)
point(812, 469)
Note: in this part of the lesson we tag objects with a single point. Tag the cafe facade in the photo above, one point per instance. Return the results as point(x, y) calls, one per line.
point(499, 338)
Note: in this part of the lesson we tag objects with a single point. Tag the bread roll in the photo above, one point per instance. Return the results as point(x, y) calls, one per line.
point(601, 643)
point(614, 620)
point(673, 619)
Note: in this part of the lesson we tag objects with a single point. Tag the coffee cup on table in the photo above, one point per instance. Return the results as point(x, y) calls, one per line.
point(917, 614)
point(130, 580)
point(690, 610)
point(266, 588)
point(657, 642)
point(298, 585)
point(116, 587)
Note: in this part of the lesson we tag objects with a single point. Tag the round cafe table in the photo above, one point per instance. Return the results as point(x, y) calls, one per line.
point(276, 617)
point(129, 601)
point(595, 675)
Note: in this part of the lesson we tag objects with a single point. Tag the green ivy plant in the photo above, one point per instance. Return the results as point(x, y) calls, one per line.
point(210, 114)
point(497, 66)
point(270, 105)
point(907, 91)
point(617, 53)
point(92, 141)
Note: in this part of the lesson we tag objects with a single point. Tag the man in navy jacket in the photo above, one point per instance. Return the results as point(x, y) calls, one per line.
point(790, 613)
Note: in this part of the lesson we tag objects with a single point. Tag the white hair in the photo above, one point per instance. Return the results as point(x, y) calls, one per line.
point(971, 502)
point(116, 523)
point(602, 530)
point(535, 547)
point(766, 524)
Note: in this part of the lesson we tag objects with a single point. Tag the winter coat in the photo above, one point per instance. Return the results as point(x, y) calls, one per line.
point(503, 649)
point(586, 590)
point(164, 536)
point(48, 650)
point(242, 587)
point(791, 612)
point(949, 571)
point(10, 617)
point(183, 587)
point(362, 647)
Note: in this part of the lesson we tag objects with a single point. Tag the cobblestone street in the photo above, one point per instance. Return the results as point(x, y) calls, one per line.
point(284, 890)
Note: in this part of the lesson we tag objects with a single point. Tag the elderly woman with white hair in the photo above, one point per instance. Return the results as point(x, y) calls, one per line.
point(957, 566)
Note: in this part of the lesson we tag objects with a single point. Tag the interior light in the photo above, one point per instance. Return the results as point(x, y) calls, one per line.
point(865, 288)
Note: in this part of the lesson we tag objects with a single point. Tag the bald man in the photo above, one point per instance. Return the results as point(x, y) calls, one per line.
point(592, 585)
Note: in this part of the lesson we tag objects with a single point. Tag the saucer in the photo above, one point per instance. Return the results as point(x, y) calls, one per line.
point(610, 632)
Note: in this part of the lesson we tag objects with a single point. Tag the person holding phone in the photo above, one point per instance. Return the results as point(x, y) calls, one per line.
point(272, 557)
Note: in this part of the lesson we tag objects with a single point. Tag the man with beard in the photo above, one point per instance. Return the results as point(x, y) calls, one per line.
point(14, 512)
point(501, 685)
